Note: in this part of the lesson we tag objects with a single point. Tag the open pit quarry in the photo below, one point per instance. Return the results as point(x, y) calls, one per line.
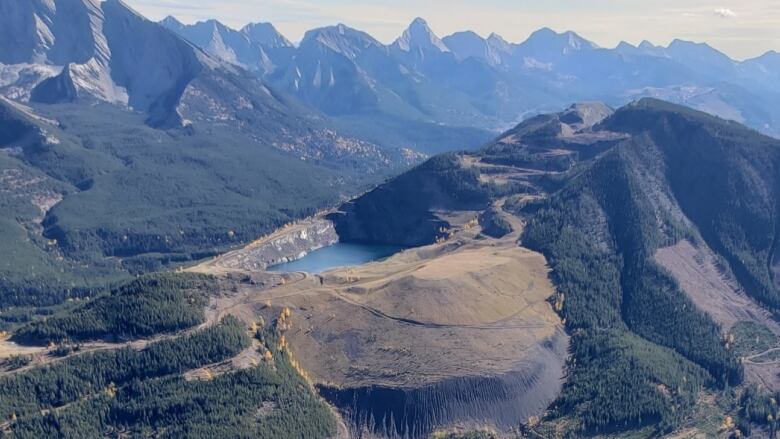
point(456, 334)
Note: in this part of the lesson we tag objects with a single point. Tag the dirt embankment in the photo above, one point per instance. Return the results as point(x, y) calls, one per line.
point(499, 402)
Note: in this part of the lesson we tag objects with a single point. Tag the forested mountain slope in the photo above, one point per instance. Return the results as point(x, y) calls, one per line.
point(88, 183)
point(217, 378)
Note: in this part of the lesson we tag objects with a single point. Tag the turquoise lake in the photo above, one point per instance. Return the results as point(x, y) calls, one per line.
point(338, 255)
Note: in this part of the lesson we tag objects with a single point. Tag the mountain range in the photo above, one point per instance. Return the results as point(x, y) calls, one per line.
point(465, 80)
point(421, 92)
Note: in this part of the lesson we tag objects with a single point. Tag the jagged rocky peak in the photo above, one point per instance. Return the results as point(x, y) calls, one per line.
point(90, 80)
point(766, 64)
point(649, 49)
point(203, 33)
point(151, 63)
point(419, 36)
point(223, 42)
point(104, 51)
point(680, 44)
point(256, 47)
point(341, 39)
point(463, 37)
point(647, 45)
point(625, 48)
point(468, 44)
point(497, 41)
point(701, 57)
point(56, 89)
point(547, 40)
point(266, 35)
point(700, 51)
point(172, 23)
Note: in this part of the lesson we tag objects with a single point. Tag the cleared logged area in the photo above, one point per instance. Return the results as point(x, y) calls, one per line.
point(714, 290)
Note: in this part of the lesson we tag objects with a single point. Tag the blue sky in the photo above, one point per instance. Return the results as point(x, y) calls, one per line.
point(741, 28)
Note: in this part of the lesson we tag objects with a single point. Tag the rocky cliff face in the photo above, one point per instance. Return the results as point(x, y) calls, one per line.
point(287, 245)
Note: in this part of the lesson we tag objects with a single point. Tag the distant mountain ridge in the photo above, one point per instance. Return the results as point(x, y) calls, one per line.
point(466, 80)
point(421, 92)
point(258, 46)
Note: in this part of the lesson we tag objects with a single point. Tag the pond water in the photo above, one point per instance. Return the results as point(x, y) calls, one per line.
point(338, 255)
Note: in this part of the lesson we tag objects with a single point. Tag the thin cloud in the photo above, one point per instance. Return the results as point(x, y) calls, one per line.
point(725, 13)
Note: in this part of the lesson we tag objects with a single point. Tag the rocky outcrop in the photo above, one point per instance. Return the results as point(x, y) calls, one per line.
point(289, 244)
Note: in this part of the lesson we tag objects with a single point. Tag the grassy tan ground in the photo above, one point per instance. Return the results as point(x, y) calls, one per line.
point(467, 306)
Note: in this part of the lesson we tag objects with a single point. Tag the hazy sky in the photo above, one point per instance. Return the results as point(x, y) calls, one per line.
point(741, 28)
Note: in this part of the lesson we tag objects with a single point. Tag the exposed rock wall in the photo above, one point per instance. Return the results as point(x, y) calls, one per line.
point(287, 245)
